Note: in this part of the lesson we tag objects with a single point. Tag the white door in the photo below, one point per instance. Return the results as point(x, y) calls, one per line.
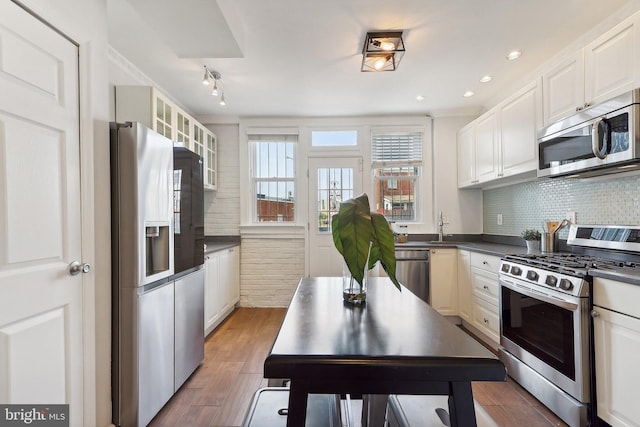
point(331, 180)
point(41, 351)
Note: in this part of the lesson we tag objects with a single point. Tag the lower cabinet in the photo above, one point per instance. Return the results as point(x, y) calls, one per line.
point(222, 286)
point(616, 327)
point(484, 295)
point(443, 281)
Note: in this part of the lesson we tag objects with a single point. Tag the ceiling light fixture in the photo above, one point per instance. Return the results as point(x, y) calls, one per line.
point(468, 94)
point(382, 51)
point(210, 75)
point(419, 98)
point(486, 79)
point(514, 54)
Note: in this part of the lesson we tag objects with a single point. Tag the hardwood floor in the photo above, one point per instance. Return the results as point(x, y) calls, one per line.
point(220, 390)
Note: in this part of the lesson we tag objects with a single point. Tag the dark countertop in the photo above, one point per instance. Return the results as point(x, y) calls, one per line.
point(489, 248)
point(220, 243)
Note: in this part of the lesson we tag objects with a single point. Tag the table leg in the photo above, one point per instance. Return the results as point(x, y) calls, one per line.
point(461, 410)
point(374, 410)
point(298, 395)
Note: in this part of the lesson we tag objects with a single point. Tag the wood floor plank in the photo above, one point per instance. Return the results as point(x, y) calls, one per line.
point(234, 408)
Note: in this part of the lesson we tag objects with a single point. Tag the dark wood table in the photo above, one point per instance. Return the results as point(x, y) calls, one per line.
point(395, 344)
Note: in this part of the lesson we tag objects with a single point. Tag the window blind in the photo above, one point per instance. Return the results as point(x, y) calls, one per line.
point(396, 148)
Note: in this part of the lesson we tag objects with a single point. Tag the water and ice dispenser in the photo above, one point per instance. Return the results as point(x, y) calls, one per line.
point(157, 249)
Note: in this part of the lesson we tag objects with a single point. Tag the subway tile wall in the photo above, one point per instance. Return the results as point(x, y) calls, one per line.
point(613, 199)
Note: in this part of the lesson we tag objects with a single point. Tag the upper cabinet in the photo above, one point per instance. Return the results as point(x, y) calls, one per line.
point(520, 116)
point(605, 68)
point(145, 104)
point(612, 62)
point(501, 143)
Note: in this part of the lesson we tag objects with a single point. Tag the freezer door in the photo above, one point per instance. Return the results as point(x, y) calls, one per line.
point(189, 332)
point(156, 357)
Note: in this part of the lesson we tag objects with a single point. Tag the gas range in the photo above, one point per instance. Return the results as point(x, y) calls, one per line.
point(568, 273)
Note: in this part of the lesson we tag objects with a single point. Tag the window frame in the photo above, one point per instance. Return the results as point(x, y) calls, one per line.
point(253, 140)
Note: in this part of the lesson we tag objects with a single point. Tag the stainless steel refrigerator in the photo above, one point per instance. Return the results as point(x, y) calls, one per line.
point(157, 315)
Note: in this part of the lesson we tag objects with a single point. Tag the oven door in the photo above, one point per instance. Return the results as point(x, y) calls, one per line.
point(547, 332)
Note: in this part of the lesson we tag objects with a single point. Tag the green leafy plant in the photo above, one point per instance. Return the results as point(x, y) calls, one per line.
point(530, 234)
point(363, 238)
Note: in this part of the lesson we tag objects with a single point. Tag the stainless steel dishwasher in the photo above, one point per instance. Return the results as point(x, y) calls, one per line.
point(412, 270)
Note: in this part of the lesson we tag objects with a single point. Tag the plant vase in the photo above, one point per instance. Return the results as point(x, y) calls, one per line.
point(352, 291)
point(533, 246)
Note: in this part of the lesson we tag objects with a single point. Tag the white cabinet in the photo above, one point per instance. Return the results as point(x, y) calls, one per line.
point(211, 161)
point(563, 88)
point(466, 145)
point(222, 286)
point(612, 62)
point(606, 67)
point(520, 117)
point(464, 285)
point(616, 323)
point(487, 146)
point(484, 289)
point(147, 105)
point(502, 142)
point(443, 281)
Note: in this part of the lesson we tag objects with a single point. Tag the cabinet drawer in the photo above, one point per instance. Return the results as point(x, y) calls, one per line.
point(485, 285)
point(486, 319)
point(617, 296)
point(485, 262)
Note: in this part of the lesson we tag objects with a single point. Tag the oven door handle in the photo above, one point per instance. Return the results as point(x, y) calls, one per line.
point(527, 291)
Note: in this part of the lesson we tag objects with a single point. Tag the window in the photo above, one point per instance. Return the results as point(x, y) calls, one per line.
point(334, 138)
point(334, 186)
point(273, 176)
point(396, 158)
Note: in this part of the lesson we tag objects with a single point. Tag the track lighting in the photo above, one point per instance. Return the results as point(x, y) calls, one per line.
point(217, 90)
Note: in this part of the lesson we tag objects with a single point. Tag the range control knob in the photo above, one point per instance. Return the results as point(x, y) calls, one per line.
point(532, 275)
point(566, 284)
point(516, 271)
point(505, 268)
point(551, 281)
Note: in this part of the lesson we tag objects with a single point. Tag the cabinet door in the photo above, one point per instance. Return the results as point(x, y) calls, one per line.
point(163, 113)
point(617, 344)
point(485, 285)
point(211, 161)
point(443, 280)
point(466, 145)
point(234, 275)
point(520, 119)
point(226, 278)
point(199, 141)
point(611, 62)
point(563, 89)
point(183, 129)
point(487, 159)
point(464, 285)
point(212, 305)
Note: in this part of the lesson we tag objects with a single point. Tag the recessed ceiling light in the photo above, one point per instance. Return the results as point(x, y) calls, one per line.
point(419, 98)
point(486, 79)
point(468, 93)
point(514, 55)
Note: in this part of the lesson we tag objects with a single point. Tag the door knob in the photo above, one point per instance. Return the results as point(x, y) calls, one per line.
point(76, 268)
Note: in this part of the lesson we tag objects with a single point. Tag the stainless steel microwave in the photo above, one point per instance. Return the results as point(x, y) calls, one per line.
point(601, 139)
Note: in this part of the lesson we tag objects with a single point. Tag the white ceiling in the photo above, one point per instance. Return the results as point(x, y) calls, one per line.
point(302, 57)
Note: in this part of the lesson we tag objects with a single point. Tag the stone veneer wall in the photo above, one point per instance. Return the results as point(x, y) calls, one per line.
point(270, 269)
point(613, 199)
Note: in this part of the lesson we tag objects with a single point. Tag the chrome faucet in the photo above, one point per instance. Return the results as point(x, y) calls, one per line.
point(440, 227)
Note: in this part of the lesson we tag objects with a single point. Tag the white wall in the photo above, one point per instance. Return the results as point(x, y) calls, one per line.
point(461, 209)
point(222, 207)
point(85, 22)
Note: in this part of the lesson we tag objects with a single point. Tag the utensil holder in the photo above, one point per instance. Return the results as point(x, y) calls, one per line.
point(548, 242)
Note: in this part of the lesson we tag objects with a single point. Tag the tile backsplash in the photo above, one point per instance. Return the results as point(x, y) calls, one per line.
point(613, 199)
